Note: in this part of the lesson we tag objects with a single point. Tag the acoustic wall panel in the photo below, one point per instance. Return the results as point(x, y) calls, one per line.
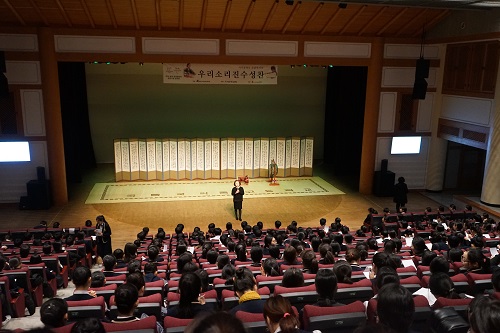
point(151, 156)
point(231, 158)
point(194, 159)
point(264, 158)
point(308, 156)
point(280, 156)
point(302, 158)
point(143, 160)
point(33, 115)
point(216, 158)
point(118, 159)
point(189, 161)
point(125, 159)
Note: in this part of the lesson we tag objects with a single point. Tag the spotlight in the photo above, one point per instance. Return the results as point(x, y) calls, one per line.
point(107, 63)
point(289, 2)
point(141, 64)
point(342, 5)
point(304, 65)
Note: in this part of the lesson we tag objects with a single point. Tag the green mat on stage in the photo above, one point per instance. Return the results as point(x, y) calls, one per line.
point(206, 190)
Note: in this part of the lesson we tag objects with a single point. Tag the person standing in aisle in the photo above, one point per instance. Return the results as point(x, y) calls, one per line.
point(400, 194)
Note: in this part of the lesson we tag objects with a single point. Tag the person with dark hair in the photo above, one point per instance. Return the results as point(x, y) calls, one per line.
point(279, 315)
point(441, 285)
point(382, 259)
point(245, 288)
point(237, 192)
point(326, 287)
point(153, 254)
point(98, 280)
point(455, 255)
point(484, 315)
point(353, 257)
point(256, 254)
point(217, 322)
point(495, 280)
point(103, 236)
point(474, 261)
point(119, 254)
point(191, 302)
point(126, 299)
point(343, 271)
point(82, 278)
point(395, 307)
point(309, 262)
point(151, 272)
point(418, 246)
point(400, 194)
point(385, 275)
point(290, 256)
point(270, 267)
point(427, 257)
point(274, 252)
point(109, 263)
point(326, 254)
point(292, 278)
point(134, 266)
point(227, 274)
point(137, 279)
point(54, 313)
point(130, 252)
point(222, 260)
point(88, 325)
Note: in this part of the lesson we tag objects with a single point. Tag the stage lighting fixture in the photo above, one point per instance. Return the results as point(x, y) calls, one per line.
point(289, 2)
point(342, 5)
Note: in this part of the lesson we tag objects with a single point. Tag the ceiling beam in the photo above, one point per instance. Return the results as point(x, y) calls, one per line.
point(136, 17)
point(204, 15)
point(39, 12)
point(64, 14)
point(312, 17)
point(226, 15)
point(394, 19)
point(87, 12)
point(374, 19)
point(111, 13)
point(270, 15)
point(14, 11)
point(296, 7)
point(352, 19)
point(158, 13)
point(251, 6)
point(334, 16)
point(431, 23)
point(413, 20)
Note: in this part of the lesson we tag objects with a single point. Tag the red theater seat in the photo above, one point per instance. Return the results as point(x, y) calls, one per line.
point(334, 319)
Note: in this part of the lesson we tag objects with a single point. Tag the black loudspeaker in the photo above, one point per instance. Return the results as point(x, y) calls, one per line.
point(40, 173)
point(383, 183)
point(24, 203)
point(422, 69)
point(3, 67)
point(4, 86)
point(38, 194)
point(383, 165)
point(419, 88)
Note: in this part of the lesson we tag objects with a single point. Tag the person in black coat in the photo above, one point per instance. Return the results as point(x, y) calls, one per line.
point(103, 233)
point(400, 194)
point(237, 192)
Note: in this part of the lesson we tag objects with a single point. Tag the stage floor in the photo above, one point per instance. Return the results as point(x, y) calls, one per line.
point(122, 192)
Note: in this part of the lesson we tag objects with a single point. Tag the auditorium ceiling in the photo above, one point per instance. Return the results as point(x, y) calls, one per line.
point(371, 18)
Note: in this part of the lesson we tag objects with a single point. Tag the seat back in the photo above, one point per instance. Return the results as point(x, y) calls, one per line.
point(95, 307)
point(358, 291)
point(146, 325)
point(106, 292)
point(422, 313)
point(460, 305)
point(253, 322)
point(299, 296)
point(175, 325)
point(269, 281)
point(334, 319)
point(479, 283)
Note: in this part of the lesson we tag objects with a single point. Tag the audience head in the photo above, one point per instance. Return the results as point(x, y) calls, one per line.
point(386, 275)
point(289, 255)
point(455, 254)
point(439, 264)
point(134, 266)
point(244, 281)
point(256, 254)
point(395, 307)
point(215, 322)
point(98, 279)
point(88, 325)
point(54, 312)
point(484, 315)
point(309, 262)
point(137, 280)
point(109, 262)
point(189, 290)
point(427, 257)
point(270, 267)
point(418, 246)
point(227, 274)
point(292, 278)
point(474, 259)
point(441, 285)
point(495, 280)
point(278, 313)
point(326, 286)
point(126, 299)
point(343, 271)
point(82, 277)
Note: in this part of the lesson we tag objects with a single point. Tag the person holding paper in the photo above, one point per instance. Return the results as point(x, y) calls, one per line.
point(103, 237)
point(237, 192)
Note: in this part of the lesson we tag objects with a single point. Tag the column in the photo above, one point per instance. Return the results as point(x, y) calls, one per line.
point(371, 116)
point(53, 119)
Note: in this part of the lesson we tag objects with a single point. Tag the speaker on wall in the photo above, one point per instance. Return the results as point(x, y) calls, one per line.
point(419, 88)
point(3, 67)
point(422, 69)
point(421, 73)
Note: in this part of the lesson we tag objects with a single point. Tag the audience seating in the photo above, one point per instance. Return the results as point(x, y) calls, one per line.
point(255, 322)
point(334, 319)
point(106, 292)
point(358, 291)
point(422, 314)
point(22, 277)
point(41, 269)
point(146, 325)
point(175, 325)
point(18, 303)
point(150, 305)
point(299, 296)
point(95, 307)
point(411, 283)
point(479, 283)
point(64, 329)
point(460, 305)
point(156, 287)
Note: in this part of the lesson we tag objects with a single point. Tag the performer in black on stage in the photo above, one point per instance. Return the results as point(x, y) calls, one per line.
point(237, 193)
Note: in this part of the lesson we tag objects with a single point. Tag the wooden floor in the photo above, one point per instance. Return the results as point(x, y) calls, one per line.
point(127, 219)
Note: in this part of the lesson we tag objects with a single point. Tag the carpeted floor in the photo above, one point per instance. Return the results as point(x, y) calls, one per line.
point(123, 192)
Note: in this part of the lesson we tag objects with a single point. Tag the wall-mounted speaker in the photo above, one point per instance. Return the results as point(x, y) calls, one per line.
point(419, 88)
point(422, 69)
point(3, 66)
